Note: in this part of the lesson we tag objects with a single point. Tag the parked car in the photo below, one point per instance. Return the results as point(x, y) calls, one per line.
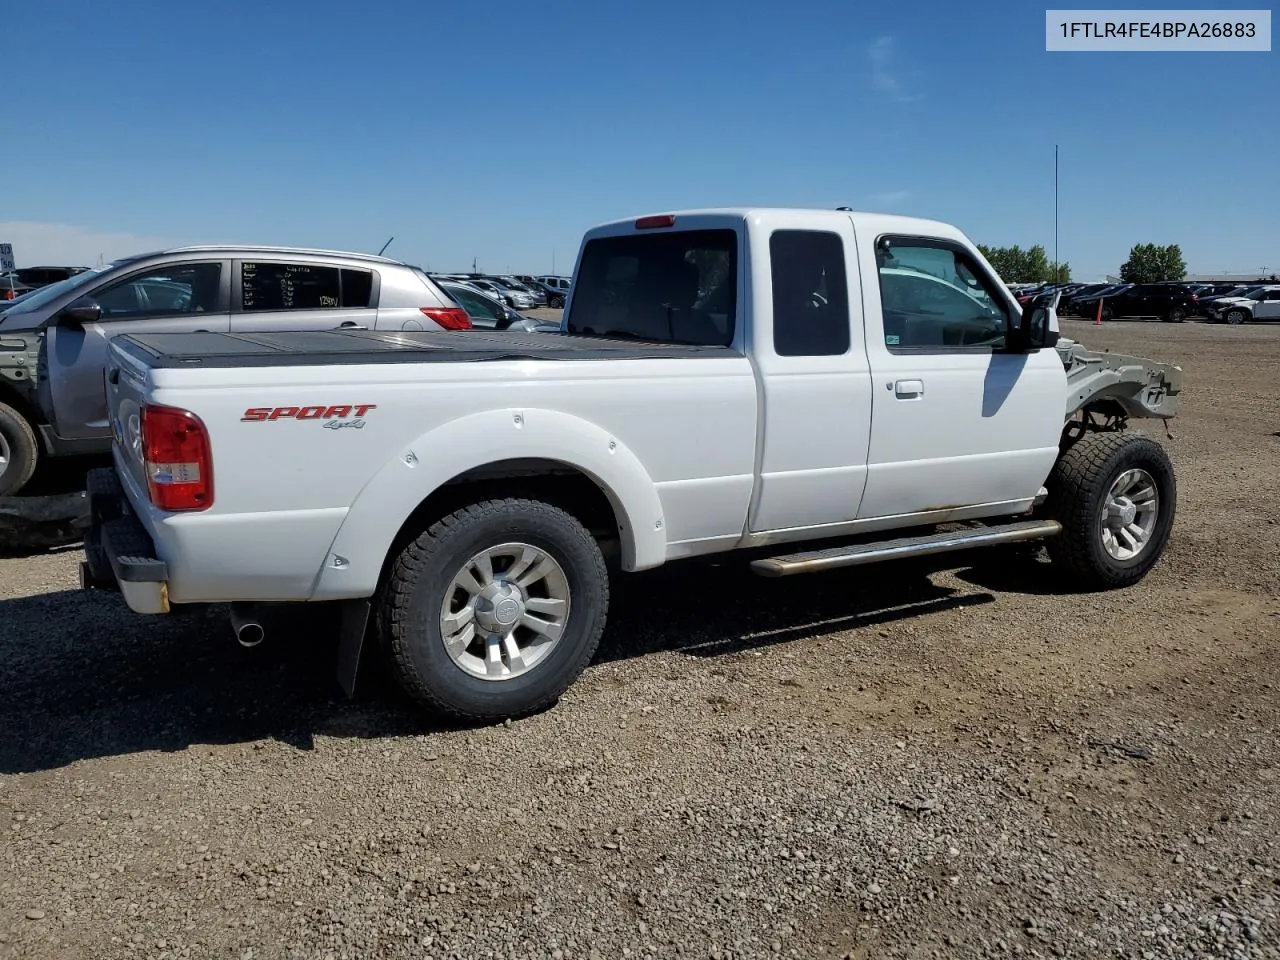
point(525, 299)
point(1261, 304)
point(1233, 290)
point(1067, 305)
point(52, 401)
point(1209, 304)
point(516, 299)
point(539, 295)
point(1086, 305)
point(485, 312)
point(555, 295)
point(1172, 303)
point(489, 477)
point(43, 276)
point(558, 283)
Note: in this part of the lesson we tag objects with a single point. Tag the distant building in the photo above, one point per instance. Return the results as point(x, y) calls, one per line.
point(1233, 278)
point(1220, 278)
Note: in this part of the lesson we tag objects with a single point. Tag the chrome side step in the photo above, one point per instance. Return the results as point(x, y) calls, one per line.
point(818, 560)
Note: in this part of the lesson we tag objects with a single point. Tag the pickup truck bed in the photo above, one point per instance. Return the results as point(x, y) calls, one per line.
point(298, 348)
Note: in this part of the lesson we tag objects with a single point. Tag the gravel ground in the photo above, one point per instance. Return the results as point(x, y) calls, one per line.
point(940, 760)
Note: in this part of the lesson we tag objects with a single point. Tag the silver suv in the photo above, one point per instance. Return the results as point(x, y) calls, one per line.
point(53, 343)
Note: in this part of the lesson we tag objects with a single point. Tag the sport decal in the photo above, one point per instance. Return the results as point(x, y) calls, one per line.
point(335, 417)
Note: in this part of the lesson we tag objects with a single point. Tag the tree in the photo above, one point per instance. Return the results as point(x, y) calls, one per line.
point(1151, 263)
point(1015, 265)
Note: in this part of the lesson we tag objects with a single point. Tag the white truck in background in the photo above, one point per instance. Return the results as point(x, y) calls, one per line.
point(723, 380)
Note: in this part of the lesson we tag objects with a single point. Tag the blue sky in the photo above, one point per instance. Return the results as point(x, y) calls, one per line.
point(503, 130)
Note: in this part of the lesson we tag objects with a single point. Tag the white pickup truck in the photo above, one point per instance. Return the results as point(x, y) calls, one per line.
point(821, 388)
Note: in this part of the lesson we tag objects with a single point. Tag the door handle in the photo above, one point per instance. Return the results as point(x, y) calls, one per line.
point(908, 389)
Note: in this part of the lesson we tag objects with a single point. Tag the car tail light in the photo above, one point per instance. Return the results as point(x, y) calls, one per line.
point(178, 459)
point(7, 295)
point(662, 220)
point(451, 318)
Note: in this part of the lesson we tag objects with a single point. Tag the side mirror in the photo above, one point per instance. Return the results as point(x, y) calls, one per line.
point(1037, 328)
point(79, 312)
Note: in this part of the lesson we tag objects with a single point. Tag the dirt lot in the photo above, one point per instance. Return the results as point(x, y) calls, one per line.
point(904, 762)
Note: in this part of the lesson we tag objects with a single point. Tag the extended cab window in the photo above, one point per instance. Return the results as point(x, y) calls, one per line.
point(936, 299)
point(676, 286)
point(165, 291)
point(810, 294)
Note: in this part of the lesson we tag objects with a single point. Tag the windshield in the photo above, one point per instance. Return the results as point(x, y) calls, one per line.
point(53, 291)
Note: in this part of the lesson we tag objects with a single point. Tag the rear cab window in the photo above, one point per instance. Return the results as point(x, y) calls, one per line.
point(678, 286)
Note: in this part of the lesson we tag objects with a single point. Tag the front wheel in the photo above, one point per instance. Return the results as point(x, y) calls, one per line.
point(556, 303)
point(1115, 496)
point(495, 610)
point(1236, 317)
point(19, 451)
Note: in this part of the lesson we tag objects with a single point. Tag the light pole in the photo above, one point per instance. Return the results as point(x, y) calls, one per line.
point(1056, 278)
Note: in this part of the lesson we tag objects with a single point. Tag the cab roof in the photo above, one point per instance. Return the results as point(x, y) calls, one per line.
point(869, 220)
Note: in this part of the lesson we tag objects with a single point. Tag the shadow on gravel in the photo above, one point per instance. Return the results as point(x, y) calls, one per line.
point(81, 677)
point(51, 512)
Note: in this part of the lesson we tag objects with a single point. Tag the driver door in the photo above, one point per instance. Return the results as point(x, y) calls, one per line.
point(957, 424)
point(173, 298)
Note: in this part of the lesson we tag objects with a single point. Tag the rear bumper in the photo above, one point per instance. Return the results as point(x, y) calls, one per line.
point(119, 553)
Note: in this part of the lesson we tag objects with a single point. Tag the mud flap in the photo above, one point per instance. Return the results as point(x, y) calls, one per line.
point(355, 624)
point(31, 524)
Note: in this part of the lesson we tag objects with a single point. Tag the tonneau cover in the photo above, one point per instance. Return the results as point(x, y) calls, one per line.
point(299, 348)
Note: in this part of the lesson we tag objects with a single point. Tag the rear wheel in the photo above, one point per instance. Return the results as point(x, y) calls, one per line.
point(1176, 315)
point(1236, 316)
point(1115, 496)
point(19, 451)
point(495, 610)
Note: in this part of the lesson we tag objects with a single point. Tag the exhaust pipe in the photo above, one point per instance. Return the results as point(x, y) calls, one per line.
point(244, 623)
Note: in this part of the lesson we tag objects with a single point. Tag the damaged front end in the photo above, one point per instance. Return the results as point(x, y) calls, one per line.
point(19, 360)
point(1116, 387)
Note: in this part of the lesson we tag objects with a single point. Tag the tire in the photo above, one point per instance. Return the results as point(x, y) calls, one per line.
point(1236, 316)
point(421, 583)
point(1079, 486)
point(1176, 315)
point(1107, 314)
point(556, 303)
point(19, 451)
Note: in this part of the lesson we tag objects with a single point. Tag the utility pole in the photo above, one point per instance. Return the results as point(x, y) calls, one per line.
point(1056, 278)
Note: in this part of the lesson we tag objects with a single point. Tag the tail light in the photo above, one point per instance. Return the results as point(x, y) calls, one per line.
point(451, 318)
point(662, 220)
point(177, 459)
